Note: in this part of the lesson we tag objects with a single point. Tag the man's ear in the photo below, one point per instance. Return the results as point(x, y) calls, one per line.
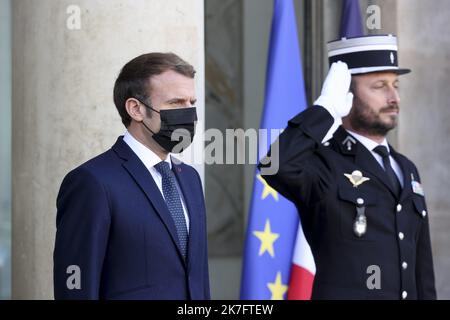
point(352, 85)
point(134, 109)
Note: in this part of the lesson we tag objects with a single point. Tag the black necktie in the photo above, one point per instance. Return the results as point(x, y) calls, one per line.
point(393, 179)
point(173, 201)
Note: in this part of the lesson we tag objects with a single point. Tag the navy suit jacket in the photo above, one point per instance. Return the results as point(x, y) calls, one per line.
point(312, 176)
point(113, 224)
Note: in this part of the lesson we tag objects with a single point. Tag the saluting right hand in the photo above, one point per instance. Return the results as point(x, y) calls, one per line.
point(335, 95)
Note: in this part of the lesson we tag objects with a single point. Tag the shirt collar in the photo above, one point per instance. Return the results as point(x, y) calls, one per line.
point(147, 156)
point(368, 143)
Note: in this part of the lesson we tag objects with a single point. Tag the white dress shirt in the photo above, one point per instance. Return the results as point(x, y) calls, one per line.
point(370, 145)
point(150, 159)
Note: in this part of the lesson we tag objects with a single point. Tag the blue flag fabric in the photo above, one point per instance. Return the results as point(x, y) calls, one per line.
point(273, 220)
point(351, 24)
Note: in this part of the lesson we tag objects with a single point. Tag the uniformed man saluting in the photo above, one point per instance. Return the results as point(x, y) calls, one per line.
point(361, 203)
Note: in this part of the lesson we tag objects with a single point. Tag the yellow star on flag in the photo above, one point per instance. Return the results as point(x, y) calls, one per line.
point(267, 189)
point(277, 288)
point(267, 239)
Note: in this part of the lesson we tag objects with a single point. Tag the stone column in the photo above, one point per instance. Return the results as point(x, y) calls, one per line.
point(5, 149)
point(425, 115)
point(64, 70)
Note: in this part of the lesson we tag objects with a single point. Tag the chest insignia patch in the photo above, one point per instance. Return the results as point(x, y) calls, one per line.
point(356, 178)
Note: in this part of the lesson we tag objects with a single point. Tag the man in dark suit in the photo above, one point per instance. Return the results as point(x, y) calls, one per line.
point(131, 222)
point(361, 203)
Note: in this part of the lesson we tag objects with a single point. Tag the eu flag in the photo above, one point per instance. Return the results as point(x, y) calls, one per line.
point(351, 25)
point(273, 220)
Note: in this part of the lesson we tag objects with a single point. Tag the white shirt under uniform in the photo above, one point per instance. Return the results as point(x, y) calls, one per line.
point(150, 159)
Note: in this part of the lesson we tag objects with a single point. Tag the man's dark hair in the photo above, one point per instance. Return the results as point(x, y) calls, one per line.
point(134, 78)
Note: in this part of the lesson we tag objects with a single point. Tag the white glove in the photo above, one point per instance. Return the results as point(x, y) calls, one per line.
point(335, 95)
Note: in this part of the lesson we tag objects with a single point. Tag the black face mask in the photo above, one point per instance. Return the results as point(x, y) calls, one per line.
point(177, 128)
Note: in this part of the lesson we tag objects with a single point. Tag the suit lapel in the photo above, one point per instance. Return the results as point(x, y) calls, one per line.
point(362, 157)
point(144, 179)
point(366, 160)
point(406, 170)
point(185, 183)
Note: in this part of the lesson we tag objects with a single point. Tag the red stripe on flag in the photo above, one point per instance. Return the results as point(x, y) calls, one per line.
point(300, 284)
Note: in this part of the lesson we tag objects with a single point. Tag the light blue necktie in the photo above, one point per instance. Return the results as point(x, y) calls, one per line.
point(173, 201)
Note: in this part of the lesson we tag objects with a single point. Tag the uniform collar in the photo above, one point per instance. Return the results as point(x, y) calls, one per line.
point(361, 153)
point(368, 143)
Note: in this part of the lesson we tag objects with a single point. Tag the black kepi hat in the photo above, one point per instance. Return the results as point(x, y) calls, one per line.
point(373, 53)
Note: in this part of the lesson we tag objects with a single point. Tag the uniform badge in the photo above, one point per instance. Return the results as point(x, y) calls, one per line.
point(417, 188)
point(360, 223)
point(349, 142)
point(356, 178)
point(360, 226)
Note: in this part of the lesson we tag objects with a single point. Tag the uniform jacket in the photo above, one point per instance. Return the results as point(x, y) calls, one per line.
point(113, 223)
point(397, 240)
